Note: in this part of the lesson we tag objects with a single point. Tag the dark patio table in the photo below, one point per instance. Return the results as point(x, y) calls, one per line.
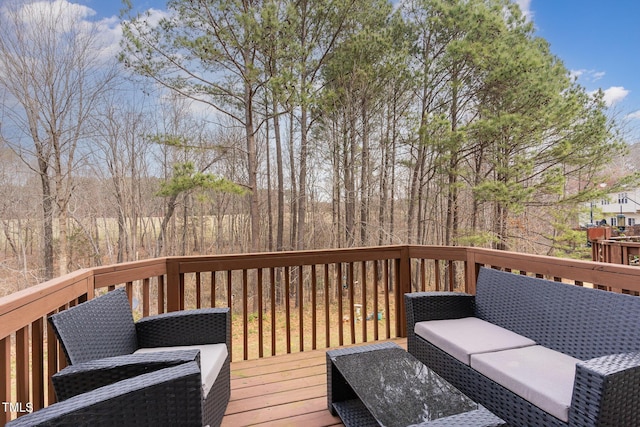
point(382, 384)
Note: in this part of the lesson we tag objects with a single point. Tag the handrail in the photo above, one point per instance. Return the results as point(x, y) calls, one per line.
point(331, 293)
point(616, 250)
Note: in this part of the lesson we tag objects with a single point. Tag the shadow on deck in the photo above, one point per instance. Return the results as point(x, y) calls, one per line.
point(288, 390)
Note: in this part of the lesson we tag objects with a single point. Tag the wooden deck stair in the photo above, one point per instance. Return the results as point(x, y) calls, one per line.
point(289, 390)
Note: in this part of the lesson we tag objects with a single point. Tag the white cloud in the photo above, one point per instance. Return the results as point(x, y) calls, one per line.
point(587, 75)
point(633, 116)
point(614, 94)
point(525, 7)
point(58, 8)
point(66, 18)
point(576, 74)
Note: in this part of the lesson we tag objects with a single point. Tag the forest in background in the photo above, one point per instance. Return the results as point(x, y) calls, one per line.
point(225, 126)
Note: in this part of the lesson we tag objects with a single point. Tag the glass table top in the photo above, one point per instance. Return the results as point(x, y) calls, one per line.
point(398, 389)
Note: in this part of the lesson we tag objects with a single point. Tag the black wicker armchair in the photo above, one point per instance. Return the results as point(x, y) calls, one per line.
point(107, 351)
point(159, 398)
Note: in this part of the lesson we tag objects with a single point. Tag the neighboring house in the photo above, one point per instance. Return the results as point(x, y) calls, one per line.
point(617, 209)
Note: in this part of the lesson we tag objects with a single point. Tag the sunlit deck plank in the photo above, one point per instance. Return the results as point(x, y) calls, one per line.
point(286, 390)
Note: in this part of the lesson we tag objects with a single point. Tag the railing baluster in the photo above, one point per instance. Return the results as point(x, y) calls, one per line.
point(161, 294)
point(145, 297)
point(198, 290)
point(300, 298)
point(5, 376)
point(287, 306)
point(37, 363)
point(129, 289)
point(22, 365)
point(364, 300)
point(339, 286)
point(62, 359)
point(387, 303)
point(52, 362)
point(181, 290)
point(376, 283)
point(245, 312)
point(350, 291)
point(452, 277)
point(230, 305)
point(260, 315)
point(272, 289)
point(213, 288)
point(437, 273)
point(314, 308)
point(327, 305)
point(397, 293)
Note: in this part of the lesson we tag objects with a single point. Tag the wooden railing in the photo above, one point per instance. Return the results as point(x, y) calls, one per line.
point(281, 302)
point(624, 250)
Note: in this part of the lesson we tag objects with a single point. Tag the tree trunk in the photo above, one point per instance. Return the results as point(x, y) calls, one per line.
point(364, 177)
point(293, 209)
point(47, 209)
point(252, 164)
point(302, 192)
point(280, 171)
point(171, 206)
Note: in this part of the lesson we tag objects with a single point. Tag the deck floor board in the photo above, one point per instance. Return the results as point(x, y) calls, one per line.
point(288, 390)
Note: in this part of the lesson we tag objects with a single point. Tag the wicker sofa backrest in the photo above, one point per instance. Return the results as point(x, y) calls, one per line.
point(581, 322)
point(98, 328)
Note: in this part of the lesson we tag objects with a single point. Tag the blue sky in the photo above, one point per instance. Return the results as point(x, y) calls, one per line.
point(597, 40)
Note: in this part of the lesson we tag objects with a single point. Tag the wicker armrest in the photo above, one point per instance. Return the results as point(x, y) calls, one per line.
point(422, 306)
point(605, 391)
point(187, 327)
point(168, 397)
point(87, 376)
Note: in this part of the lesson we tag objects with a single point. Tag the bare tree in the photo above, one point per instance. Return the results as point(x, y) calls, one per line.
point(121, 128)
point(52, 72)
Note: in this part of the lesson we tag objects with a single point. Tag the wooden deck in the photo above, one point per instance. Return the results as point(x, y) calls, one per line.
point(289, 390)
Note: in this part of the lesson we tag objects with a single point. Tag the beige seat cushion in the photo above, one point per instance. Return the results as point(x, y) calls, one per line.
point(212, 357)
point(539, 375)
point(463, 337)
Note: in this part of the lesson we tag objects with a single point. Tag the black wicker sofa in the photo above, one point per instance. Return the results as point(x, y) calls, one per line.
point(533, 351)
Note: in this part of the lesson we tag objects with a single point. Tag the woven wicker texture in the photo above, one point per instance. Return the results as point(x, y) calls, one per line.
point(215, 404)
point(606, 391)
point(99, 328)
point(160, 398)
point(107, 320)
point(595, 326)
point(353, 413)
point(191, 327)
point(87, 376)
point(478, 418)
point(581, 322)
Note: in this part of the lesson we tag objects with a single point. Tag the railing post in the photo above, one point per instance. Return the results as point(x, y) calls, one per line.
point(91, 286)
point(471, 272)
point(403, 286)
point(173, 285)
